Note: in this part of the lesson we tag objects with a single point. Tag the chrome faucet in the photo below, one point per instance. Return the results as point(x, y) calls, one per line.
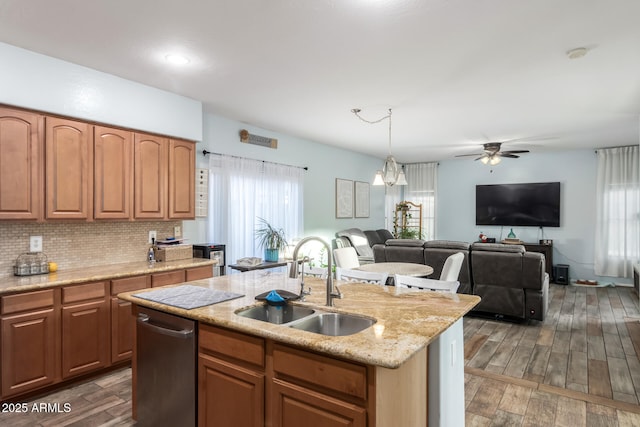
point(293, 271)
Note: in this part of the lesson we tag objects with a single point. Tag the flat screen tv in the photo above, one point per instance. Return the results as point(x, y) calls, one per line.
point(534, 204)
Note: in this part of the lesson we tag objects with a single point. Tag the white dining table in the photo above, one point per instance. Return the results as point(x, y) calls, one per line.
point(404, 268)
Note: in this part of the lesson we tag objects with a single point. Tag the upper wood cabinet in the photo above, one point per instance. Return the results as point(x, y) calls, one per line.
point(20, 164)
point(113, 173)
point(69, 166)
point(150, 177)
point(182, 159)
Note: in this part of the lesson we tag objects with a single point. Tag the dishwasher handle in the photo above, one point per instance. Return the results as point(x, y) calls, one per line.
point(144, 320)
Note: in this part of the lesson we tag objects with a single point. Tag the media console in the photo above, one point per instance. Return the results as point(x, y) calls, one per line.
point(547, 250)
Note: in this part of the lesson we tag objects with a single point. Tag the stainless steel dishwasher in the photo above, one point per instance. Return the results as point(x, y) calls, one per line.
point(166, 369)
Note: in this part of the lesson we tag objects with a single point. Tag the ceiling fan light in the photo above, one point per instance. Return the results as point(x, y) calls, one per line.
point(377, 180)
point(485, 160)
point(494, 160)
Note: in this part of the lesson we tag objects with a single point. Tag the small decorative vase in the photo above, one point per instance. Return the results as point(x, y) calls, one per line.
point(271, 255)
point(511, 234)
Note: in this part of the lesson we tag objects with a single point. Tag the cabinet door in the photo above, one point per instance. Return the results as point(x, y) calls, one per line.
point(123, 326)
point(150, 176)
point(85, 337)
point(168, 278)
point(69, 166)
point(182, 176)
point(28, 351)
point(229, 395)
point(20, 157)
point(113, 173)
point(295, 406)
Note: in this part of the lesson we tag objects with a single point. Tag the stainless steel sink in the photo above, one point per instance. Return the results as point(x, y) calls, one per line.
point(334, 324)
point(278, 315)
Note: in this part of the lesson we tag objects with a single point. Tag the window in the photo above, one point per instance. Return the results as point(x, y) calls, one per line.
point(243, 190)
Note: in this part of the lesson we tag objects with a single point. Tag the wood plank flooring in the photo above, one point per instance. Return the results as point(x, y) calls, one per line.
point(580, 367)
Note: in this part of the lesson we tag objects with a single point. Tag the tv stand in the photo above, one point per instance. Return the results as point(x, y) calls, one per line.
point(547, 250)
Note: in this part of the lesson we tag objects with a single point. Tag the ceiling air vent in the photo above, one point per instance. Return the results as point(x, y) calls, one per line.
point(262, 141)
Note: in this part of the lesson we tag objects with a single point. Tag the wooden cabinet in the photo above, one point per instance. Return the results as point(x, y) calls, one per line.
point(20, 164)
point(68, 171)
point(231, 380)
point(182, 175)
point(113, 173)
point(123, 325)
point(198, 273)
point(29, 343)
point(167, 278)
point(85, 329)
point(150, 177)
point(308, 386)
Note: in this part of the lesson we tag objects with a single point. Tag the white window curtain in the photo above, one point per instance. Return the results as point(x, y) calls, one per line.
point(422, 180)
point(243, 190)
point(617, 239)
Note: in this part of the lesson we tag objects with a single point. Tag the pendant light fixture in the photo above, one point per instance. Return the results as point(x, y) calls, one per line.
point(390, 174)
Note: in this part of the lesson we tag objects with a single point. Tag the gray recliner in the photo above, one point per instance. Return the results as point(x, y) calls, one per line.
point(510, 280)
point(356, 238)
point(436, 253)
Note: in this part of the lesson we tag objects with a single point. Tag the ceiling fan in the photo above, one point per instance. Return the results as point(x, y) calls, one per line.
point(492, 154)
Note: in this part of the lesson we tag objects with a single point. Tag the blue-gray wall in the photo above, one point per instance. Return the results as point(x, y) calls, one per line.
point(573, 242)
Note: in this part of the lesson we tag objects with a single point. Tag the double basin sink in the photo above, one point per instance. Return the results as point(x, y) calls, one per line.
point(308, 319)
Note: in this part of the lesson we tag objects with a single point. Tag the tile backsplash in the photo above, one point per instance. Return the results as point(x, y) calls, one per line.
point(78, 244)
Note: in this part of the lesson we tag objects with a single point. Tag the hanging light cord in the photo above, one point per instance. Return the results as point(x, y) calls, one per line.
point(356, 111)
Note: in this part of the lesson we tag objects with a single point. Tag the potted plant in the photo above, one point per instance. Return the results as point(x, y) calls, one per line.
point(271, 239)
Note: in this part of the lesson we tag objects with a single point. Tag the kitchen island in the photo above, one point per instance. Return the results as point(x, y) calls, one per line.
point(378, 376)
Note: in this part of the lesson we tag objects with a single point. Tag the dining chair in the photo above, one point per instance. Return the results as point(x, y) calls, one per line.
point(346, 257)
point(452, 266)
point(361, 276)
point(447, 286)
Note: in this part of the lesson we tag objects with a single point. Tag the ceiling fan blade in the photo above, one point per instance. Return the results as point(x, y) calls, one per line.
point(481, 157)
point(468, 155)
point(514, 151)
point(509, 155)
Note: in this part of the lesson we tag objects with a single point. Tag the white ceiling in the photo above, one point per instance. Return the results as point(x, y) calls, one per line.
point(457, 73)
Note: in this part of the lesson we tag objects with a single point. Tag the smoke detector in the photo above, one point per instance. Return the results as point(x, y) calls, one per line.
point(576, 53)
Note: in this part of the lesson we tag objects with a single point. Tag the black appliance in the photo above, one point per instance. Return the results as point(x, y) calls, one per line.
point(211, 251)
point(561, 274)
point(534, 204)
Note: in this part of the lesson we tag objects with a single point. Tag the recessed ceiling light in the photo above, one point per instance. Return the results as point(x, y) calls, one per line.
point(176, 59)
point(576, 53)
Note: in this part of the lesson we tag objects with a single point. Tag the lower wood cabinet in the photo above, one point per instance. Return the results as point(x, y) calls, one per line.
point(123, 324)
point(294, 405)
point(168, 278)
point(229, 394)
point(85, 329)
point(244, 380)
point(29, 341)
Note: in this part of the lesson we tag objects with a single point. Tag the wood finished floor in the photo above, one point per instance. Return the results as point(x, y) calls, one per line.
point(580, 367)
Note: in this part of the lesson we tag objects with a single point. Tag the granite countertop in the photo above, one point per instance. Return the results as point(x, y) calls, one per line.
point(406, 323)
point(11, 284)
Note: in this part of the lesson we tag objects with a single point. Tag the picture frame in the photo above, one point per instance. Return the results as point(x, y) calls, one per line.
point(361, 199)
point(344, 198)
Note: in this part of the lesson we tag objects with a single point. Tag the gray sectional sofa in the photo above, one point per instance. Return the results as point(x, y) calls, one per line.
point(511, 281)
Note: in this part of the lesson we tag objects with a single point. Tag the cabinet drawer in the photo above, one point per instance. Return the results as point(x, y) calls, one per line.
point(235, 345)
point(198, 273)
point(27, 301)
point(86, 292)
point(168, 278)
point(129, 284)
point(314, 369)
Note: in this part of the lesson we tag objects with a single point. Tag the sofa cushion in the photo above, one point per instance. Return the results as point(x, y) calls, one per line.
point(447, 244)
point(374, 237)
point(405, 242)
point(358, 241)
point(498, 247)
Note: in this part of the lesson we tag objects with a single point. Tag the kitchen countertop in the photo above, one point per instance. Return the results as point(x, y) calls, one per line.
point(11, 284)
point(406, 323)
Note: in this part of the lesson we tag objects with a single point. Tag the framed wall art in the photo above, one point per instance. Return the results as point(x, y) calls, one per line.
point(344, 198)
point(361, 199)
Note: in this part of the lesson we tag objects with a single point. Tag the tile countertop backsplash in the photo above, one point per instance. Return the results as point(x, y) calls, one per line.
point(75, 245)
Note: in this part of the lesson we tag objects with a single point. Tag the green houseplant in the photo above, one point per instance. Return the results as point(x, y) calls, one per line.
point(272, 239)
